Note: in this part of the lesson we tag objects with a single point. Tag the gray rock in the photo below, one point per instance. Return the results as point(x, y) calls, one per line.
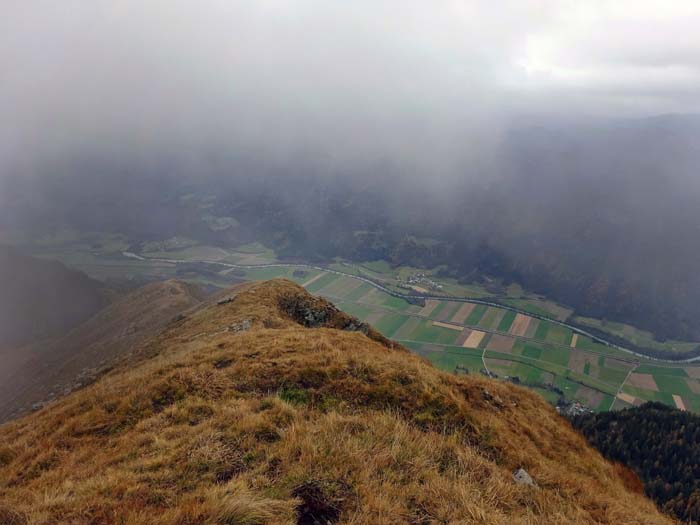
point(240, 327)
point(494, 400)
point(521, 477)
point(356, 326)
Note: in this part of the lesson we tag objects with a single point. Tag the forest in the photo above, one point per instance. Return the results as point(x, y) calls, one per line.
point(660, 444)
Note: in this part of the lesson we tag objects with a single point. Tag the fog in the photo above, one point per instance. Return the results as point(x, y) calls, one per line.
point(428, 87)
point(554, 143)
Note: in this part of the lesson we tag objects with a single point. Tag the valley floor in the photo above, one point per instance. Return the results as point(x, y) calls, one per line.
point(529, 344)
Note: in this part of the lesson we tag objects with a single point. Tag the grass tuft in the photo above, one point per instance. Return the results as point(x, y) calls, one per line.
point(236, 504)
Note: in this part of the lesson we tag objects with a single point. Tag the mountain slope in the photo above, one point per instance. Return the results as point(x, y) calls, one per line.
point(42, 298)
point(275, 408)
point(661, 444)
point(44, 369)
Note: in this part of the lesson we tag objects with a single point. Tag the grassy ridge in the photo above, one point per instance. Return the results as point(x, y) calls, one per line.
point(281, 424)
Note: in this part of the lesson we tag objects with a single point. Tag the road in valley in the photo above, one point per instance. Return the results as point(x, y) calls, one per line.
point(416, 295)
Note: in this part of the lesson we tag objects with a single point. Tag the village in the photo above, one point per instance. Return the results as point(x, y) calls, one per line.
point(419, 282)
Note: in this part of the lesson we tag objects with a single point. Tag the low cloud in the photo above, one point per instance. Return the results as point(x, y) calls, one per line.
point(427, 86)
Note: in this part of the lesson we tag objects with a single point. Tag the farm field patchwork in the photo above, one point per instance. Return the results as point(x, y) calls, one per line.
point(100, 254)
point(544, 356)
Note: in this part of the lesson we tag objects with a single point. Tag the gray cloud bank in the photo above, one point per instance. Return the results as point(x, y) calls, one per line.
point(429, 86)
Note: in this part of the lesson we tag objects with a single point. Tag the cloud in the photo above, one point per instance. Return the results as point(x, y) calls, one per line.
point(426, 84)
point(629, 57)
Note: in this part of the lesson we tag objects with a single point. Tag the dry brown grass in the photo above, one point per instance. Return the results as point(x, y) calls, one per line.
point(282, 424)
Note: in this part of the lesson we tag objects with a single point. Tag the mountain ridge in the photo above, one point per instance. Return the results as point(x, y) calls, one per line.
point(271, 406)
point(42, 298)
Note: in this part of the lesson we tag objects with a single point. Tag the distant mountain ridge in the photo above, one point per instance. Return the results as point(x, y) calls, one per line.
point(47, 369)
point(42, 299)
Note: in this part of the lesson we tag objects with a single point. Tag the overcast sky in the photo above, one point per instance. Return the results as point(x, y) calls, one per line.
point(348, 78)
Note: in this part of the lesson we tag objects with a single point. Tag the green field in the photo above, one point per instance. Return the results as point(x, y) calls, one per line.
point(476, 315)
point(541, 307)
point(426, 332)
point(637, 337)
point(357, 293)
point(559, 334)
point(506, 322)
point(390, 323)
point(321, 282)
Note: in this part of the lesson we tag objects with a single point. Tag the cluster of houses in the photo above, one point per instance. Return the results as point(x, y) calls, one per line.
point(572, 408)
point(422, 280)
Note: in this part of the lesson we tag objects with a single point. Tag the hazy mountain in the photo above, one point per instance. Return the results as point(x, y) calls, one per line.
point(47, 369)
point(43, 298)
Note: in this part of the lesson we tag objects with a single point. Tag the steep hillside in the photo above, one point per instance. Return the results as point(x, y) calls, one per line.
point(661, 444)
point(275, 408)
point(42, 298)
point(49, 368)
